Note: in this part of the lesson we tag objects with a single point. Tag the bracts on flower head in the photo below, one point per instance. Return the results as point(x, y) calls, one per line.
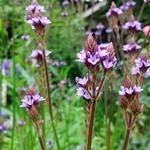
point(34, 17)
point(128, 96)
point(129, 90)
point(30, 102)
point(113, 15)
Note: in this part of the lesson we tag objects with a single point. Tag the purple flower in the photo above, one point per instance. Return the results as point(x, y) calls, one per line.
point(20, 123)
point(31, 99)
point(130, 3)
point(50, 144)
point(38, 22)
point(5, 66)
point(130, 90)
point(93, 59)
point(124, 7)
point(114, 12)
point(81, 56)
point(2, 128)
point(35, 8)
point(82, 82)
point(109, 30)
point(64, 14)
point(107, 64)
point(25, 37)
point(83, 93)
point(99, 26)
point(38, 54)
point(131, 47)
point(137, 89)
point(147, 74)
point(65, 3)
point(135, 71)
point(132, 25)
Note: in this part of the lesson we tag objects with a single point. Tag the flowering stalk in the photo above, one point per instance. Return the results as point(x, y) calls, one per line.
point(89, 88)
point(31, 102)
point(38, 23)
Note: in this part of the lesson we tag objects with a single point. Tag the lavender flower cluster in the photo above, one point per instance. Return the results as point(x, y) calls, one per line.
point(142, 67)
point(127, 5)
point(34, 16)
point(94, 56)
point(31, 99)
point(100, 55)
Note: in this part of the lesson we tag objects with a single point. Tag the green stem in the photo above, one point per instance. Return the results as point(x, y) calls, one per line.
point(49, 101)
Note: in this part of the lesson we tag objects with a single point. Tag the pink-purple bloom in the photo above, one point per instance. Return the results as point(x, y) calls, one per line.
point(130, 90)
point(141, 64)
point(114, 11)
point(100, 56)
point(25, 37)
point(109, 30)
point(34, 16)
point(65, 3)
point(64, 14)
point(131, 47)
point(83, 93)
point(132, 25)
point(31, 99)
point(99, 26)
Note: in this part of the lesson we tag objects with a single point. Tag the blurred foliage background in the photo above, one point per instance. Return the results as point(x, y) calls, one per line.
point(65, 37)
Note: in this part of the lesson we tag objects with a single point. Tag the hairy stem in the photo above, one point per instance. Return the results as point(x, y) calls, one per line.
point(90, 129)
point(126, 139)
point(41, 140)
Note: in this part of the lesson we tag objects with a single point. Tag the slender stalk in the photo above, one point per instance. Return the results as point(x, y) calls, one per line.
point(143, 44)
point(41, 140)
point(90, 129)
point(92, 112)
point(126, 139)
point(141, 11)
point(49, 101)
point(110, 114)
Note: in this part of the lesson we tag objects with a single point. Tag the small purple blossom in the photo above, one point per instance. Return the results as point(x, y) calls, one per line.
point(132, 25)
point(109, 30)
point(65, 3)
point(114, 12)
point(35, 7)
point(2, 128)
point(130, 3)
point(25, 37)
point(83, 93)
point(135, 71)
point(64, 14)
point(99, 26)
point(5, 66)
point(82, 82)
point(81, 56)
point(131, 47)
point(147, 74)
point(31, 99)
point(20, 123)
point(130, 90)
point(50, 144)
point(38, 22)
